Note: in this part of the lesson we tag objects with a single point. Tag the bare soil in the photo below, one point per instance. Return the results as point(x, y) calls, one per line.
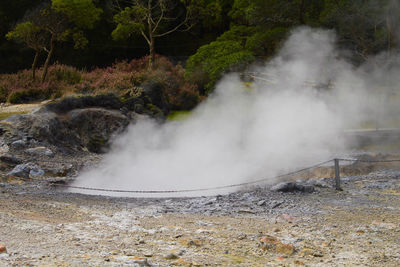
point(359, 226)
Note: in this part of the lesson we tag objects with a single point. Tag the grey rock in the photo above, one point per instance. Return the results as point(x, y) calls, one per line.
point(39, 151)
point(10, 159)
point(4, 148)
point(261, 203)
point(96, 127)
point(59, 171)
point(27, 170)
point(292, 187)
point(92, 128)
point(19, 144)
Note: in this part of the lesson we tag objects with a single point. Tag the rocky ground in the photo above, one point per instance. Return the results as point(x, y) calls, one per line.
point(44, 226)
point(305, 222)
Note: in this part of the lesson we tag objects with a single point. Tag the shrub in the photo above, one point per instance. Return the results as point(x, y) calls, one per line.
point(3, 93)
point(211, 61)
point(64, 73)
point(125, 79)
point(25, 96)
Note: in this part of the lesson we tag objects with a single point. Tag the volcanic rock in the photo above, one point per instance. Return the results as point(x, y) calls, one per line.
point(27, 170)
point(96, 126)
point(39, 151)
point(292, 187)
point(92, 128)
point(10, 159)
point(18, 144)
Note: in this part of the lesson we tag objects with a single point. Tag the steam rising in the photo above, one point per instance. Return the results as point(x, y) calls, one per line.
point(241, 133)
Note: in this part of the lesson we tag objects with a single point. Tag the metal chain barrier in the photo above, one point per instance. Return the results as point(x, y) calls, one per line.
point(336, 166)
point(188, 190)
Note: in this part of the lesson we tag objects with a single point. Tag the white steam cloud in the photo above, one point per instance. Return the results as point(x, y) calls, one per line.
point(239, 134)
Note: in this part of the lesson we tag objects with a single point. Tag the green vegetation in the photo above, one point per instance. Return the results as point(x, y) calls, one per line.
point(127, 80)
point(203, 38)
point(178, 115)
point(5, 115)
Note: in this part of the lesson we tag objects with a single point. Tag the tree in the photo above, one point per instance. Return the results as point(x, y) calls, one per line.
point(68, 18)
point(152, 19)
point(59, 19)
point(364, 26)
point(32, 36)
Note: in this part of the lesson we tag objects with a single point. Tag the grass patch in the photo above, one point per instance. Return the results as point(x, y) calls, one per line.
point(5, 115)
point(179, 115)
point(395, 146)
point(381, 124)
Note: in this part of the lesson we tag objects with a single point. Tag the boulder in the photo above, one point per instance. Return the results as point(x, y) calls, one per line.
point(92, 128)
point(292, 187)
point(45, 127)
point(96, 127)
point(27, 170)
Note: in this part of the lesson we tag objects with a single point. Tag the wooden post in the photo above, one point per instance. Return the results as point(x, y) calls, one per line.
point(337, 175)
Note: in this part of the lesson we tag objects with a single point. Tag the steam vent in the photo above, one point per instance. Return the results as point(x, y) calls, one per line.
point(200, 133)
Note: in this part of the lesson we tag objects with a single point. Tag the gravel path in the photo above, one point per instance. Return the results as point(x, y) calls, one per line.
point(44, 226)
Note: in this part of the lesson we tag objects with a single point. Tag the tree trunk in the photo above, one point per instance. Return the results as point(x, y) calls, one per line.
point(152, 53)
point(301, 11)
point(151, 37)
point(47, 62)
point(389, 34)
point(34, 64)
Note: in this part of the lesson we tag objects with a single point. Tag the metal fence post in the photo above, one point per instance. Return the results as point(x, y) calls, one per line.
point(337, 175)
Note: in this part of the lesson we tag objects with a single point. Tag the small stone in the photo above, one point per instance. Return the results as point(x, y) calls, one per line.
point(3, 249)
point(276, 204)
point(248, 211)
point(384, 225)
point(310, 252)
point(141, 261)
point(268, 242)
point(182, 262)
point(297, 262)
point(171, 256)
point(287, 249)
point(261, 203)
point(191, 243)
point(241, 236)
point(306, 252)
point(288, 218)
point(18, 144)
point(10, 159)
point(148, 254)
point(203, 231)
point(4, 148)
point(40, 151)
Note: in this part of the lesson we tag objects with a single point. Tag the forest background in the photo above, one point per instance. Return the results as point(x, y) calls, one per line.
point(50, 49)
